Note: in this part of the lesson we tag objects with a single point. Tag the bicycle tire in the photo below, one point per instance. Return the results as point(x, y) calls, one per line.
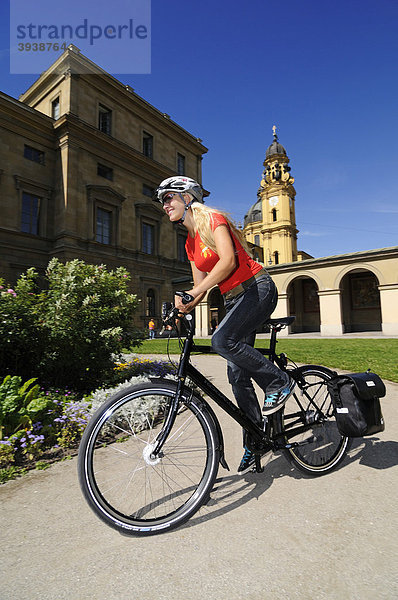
point(328, 447)
point(122, 483)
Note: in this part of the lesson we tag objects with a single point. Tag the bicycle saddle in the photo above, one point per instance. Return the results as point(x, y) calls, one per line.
point(282, 321)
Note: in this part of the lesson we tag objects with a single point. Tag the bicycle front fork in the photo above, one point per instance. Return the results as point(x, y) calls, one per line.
point(169, 422)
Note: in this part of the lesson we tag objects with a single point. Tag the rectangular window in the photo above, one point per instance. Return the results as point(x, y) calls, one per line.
point(104, 224)
point(105, 171)
point(55, 108)
point(148, 238)
point(257, 240)
point(33, 154)
point(147, 144)
point(181, 253)
point(147, 190)
point(180, 164)
point(105, 119)
point(30, 214)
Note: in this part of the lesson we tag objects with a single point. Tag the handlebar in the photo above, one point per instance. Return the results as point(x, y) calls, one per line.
point(170, 312)
point(186, 298)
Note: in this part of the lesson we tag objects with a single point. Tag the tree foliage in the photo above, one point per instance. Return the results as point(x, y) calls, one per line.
point(69, 334)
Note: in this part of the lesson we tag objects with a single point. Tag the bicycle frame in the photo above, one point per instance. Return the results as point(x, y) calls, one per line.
point(261, 437)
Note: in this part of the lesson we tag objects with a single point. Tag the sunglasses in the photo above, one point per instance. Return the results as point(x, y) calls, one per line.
point(168, 197)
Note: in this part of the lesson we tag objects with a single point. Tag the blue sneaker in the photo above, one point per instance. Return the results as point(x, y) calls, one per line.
point(247, 463)
point(275, 401)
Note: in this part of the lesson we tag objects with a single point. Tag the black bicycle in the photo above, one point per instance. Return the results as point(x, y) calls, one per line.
point(149, 456)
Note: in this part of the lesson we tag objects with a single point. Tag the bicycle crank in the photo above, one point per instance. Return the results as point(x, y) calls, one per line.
point(309, 440)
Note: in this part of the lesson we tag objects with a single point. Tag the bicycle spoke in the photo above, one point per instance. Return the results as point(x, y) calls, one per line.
point(321, 446)
point(132, 483)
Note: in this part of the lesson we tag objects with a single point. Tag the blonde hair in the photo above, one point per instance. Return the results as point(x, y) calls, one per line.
point(202, 215)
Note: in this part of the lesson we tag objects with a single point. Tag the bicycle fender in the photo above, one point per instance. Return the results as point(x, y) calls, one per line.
point(187, 392)
point(296, 373)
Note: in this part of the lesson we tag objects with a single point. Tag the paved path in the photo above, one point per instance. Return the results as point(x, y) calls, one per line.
point(263, 536)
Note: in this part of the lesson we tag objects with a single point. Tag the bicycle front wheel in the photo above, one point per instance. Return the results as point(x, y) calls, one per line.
point(308, 420)
point(129, 488)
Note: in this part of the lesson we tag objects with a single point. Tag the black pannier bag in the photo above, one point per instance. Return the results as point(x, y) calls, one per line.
point(356, 402)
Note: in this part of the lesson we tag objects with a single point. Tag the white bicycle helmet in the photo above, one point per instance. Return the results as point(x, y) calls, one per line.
point(179, 184)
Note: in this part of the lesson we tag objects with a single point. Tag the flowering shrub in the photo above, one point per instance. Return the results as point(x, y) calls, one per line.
point(72, 422)
point(62, 425)
point(63, 415)
point(135, 371)
point(6, 453)
point(139, 366)
point(23, 340)
point(69, 334)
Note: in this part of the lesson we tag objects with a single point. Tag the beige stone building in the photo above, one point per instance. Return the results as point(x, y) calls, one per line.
point(334, 295)
point(80, 156)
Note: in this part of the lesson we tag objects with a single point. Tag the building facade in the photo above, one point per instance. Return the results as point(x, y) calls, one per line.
point(334, 295)
point(346, 293)
point(81, 155)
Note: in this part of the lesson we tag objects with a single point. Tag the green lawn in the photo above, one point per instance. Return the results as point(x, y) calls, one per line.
point(356, 355)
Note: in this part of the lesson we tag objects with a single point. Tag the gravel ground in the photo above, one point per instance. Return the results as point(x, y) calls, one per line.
point(262, 536)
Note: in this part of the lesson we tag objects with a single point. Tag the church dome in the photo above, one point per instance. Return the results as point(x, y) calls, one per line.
point(275, 148)
point(255, 213)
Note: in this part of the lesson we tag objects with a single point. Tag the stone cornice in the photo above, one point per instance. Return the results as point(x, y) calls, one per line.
point(70, 130)
point(336, 259)
point(10, 104)
point(72, 62)
point(40, 188)
point(388, 286)
point(105, 189)
point(145, 208)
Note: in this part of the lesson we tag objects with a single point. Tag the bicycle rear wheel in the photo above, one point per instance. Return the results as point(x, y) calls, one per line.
point(322, 447)
point(126, 486)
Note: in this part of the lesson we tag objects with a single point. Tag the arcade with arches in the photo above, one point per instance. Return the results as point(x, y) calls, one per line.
point(332, 296)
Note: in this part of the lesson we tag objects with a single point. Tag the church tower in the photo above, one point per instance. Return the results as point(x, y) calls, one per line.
point(271, 222)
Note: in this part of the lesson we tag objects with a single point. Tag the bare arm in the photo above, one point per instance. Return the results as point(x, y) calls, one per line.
point(221, 270)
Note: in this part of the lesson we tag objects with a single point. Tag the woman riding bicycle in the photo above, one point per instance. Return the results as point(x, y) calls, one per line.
point(217, 254)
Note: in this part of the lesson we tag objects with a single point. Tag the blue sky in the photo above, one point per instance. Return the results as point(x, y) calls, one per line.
point(325, 73)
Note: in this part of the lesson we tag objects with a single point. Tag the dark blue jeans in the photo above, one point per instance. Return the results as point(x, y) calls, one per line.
point(234, 340)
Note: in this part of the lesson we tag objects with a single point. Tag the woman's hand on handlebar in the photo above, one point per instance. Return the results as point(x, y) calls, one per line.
point(182, 301)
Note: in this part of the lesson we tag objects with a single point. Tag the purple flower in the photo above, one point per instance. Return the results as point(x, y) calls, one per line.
point(23, 445)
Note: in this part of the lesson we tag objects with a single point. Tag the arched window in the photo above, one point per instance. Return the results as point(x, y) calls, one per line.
point(274, 214)
point(257, 240)
point(276, 258)
point(150, 303)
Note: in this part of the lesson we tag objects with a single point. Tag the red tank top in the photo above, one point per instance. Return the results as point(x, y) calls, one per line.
point(205, 259)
